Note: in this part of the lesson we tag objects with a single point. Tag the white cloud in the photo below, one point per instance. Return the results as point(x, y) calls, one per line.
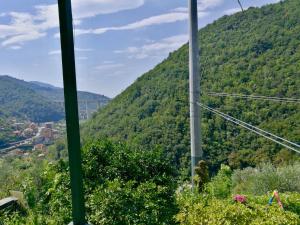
point(15, 47)
point(25, 27)
point(150, 21)
point(154, 20)
point(108, 65)
point(21, 38)
point(82, 58)
point(54, 52)
point(90, 8)
point(207, 4)
point(232, 11)
point(84, 49)
point(58, 52)
point(203, 6)
point(157, 49)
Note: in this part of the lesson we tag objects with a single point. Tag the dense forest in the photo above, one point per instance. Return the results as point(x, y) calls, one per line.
point(57, 94)
point(256, 53)
point(22, 102)
point(36, 101)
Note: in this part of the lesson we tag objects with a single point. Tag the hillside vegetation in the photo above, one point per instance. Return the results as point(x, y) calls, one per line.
point(37, 101)
point(256, 52)
point(22, 102)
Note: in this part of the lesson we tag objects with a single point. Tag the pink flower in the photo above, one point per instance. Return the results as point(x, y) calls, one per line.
point(240, 198)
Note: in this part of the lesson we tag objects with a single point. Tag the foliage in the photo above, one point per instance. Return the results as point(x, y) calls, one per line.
point(17, 100)
point(35, 101)
point(220, 185)
point(254, 52)
point(118, 202)
point(121, 183)
point(266, 178)
point(134, 186)
point(6, 132)
point(202, 175)
point(200, 210)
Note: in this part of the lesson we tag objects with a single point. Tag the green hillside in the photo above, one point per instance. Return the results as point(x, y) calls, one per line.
point(36, 101)
point(256, 52)
point(17, 100)
point(57, 94)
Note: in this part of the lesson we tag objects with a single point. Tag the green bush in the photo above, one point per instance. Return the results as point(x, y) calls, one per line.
point(220, 185)
point(128, 186)
point(117, 203)
point(122, 186)
point(201, 210)
point(266, 178)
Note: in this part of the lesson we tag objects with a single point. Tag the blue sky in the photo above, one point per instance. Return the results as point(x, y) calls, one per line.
point(116, 40)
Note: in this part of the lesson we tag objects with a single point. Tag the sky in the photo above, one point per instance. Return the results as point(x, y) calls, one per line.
point(116, 41)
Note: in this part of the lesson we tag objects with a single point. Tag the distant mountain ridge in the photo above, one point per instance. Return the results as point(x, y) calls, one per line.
point(36, 101)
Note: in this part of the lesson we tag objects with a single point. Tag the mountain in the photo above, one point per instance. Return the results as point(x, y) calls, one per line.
point(18, 100)
point(36, 101)
point(256, 52)
point(57, 94)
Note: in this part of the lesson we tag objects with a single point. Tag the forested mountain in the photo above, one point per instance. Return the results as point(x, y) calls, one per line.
point(36, 101)
point(254, 52)
point(57, 94)
point(19, 101)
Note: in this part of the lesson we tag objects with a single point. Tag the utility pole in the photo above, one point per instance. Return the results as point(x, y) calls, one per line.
point(86, 109)
point(194, 83)
point(71, 105)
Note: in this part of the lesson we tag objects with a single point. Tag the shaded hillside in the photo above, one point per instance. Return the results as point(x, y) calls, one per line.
point(255, 52)
point(57, 94)
point(37, 101)
point(19, 101)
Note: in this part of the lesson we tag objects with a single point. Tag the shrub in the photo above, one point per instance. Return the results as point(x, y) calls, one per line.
point(266, 178)
point(220, 185)
point(198, 209)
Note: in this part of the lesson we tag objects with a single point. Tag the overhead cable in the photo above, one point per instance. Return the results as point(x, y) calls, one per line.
point(255, 97)
point(252, 128)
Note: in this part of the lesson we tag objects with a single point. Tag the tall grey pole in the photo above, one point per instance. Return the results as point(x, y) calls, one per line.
point(194, 81)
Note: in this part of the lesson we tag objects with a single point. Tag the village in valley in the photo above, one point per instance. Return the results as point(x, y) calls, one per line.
point(33, 137)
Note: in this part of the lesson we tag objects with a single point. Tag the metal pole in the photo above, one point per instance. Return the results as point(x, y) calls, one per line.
point(71, 105)
point(194, 81)
point(86, 110)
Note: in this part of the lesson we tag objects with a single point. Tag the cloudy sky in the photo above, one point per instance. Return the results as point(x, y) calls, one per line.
point(116, 40)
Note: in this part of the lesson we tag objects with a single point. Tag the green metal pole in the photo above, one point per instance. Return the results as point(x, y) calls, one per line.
point(71, 105)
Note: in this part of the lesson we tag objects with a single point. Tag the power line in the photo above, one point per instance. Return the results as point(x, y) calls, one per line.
point(260, 130)
point(241, 5)
point(256, 97)
point(252, 128)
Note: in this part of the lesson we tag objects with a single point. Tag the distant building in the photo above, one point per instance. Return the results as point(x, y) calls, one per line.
point(17, 133)
point(39, 147)
point(37, 140)
point(27, 133)
point(49, 125)
point(47, 134)
point(34, 127)
point(18, 152)
point(18, 126)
